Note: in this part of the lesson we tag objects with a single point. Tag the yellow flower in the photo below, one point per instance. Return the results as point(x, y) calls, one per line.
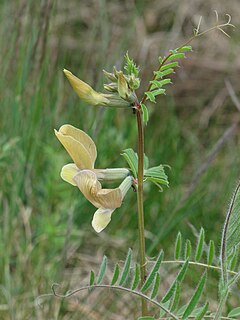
point(82, 174)
point(122, 99)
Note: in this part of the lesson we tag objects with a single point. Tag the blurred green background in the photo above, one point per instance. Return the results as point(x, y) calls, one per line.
point(45, 224)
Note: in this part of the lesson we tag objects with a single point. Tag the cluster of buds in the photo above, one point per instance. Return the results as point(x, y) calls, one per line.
point(121, 90)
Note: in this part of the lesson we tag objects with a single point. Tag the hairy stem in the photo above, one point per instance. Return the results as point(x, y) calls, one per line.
point(140, 202)
point(221, 304)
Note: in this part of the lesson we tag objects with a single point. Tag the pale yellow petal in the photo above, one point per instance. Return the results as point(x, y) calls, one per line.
point(101, 219)
point(81, 137)
point(91, 188)
point(68, 172)
point(84, 91)
point(79, 154)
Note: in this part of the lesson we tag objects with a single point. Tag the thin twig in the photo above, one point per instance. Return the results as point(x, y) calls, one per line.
point(140, 294)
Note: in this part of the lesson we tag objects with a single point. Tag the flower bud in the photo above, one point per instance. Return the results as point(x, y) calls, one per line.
point(123, 89)
point(84, 91)
point(110, 76)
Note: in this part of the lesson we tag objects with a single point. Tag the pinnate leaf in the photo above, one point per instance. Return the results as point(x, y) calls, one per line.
point(184, 49)
point(150, 96)
point(176, 56)
point(102, 270)
point(234, 313)
point(195, 298)
point(178, 246)
point(188, 249)
point(145, 113)
point(169, 65)
point(161, 74)
point(115, 274)
point(176, 297)
point(153, 272)
point(131, 157)
point(200, 245)
point(126, 268)
point(202, 312)
point(211, 252)
point(232, 223)
point(136, 278)
point(155, 286)
point(178, 279)
point(92, 278)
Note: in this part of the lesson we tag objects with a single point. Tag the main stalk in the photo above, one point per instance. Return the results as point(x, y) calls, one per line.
point(140, 202)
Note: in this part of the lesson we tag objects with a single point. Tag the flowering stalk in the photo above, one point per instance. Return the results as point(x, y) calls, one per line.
point(140, 201)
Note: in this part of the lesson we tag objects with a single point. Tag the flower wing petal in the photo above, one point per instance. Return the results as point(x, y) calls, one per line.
point(101, 219)
point(76, 150)
point(68, 172)
point(91, 188)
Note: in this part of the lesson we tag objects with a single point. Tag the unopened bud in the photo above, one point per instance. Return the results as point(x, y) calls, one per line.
point(123, 89)
point(85, 92)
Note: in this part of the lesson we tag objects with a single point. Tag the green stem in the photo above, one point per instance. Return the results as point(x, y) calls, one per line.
point(140, 202)
point(222, 302)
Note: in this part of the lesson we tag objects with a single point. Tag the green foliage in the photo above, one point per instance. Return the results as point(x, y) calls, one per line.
point(130, 67)
point(130, 280)
point(92, 278)
point(149, 281)
point(115, 274)
point(126, 268)
point(145, 113)
point(179, 278)
point(131, 157)
point(136, 278)
point(167, 65)
point(156, 175)
point(200, 245)
point(102, 270)
point(211, 252)
point(176, 297)
point(232, 224)
point(175, 56)
point(188, 249)
point(200, 315)
point(234, 313)
point(178, 246)
point(184, 49)
point(156, 286)
point(195, 298)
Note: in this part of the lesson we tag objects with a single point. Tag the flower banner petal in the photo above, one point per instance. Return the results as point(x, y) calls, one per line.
point(76, 150)
point(101, 219)
point(81, 137)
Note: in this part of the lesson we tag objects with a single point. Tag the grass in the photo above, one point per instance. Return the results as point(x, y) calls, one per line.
point(45, 231)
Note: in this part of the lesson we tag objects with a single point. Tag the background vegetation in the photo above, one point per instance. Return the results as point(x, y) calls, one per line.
point(45, 230)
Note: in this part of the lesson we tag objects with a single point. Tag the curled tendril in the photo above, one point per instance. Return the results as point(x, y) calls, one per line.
point(228, 23)
point(217, 25)
point(56, 285)
point(39, 299)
